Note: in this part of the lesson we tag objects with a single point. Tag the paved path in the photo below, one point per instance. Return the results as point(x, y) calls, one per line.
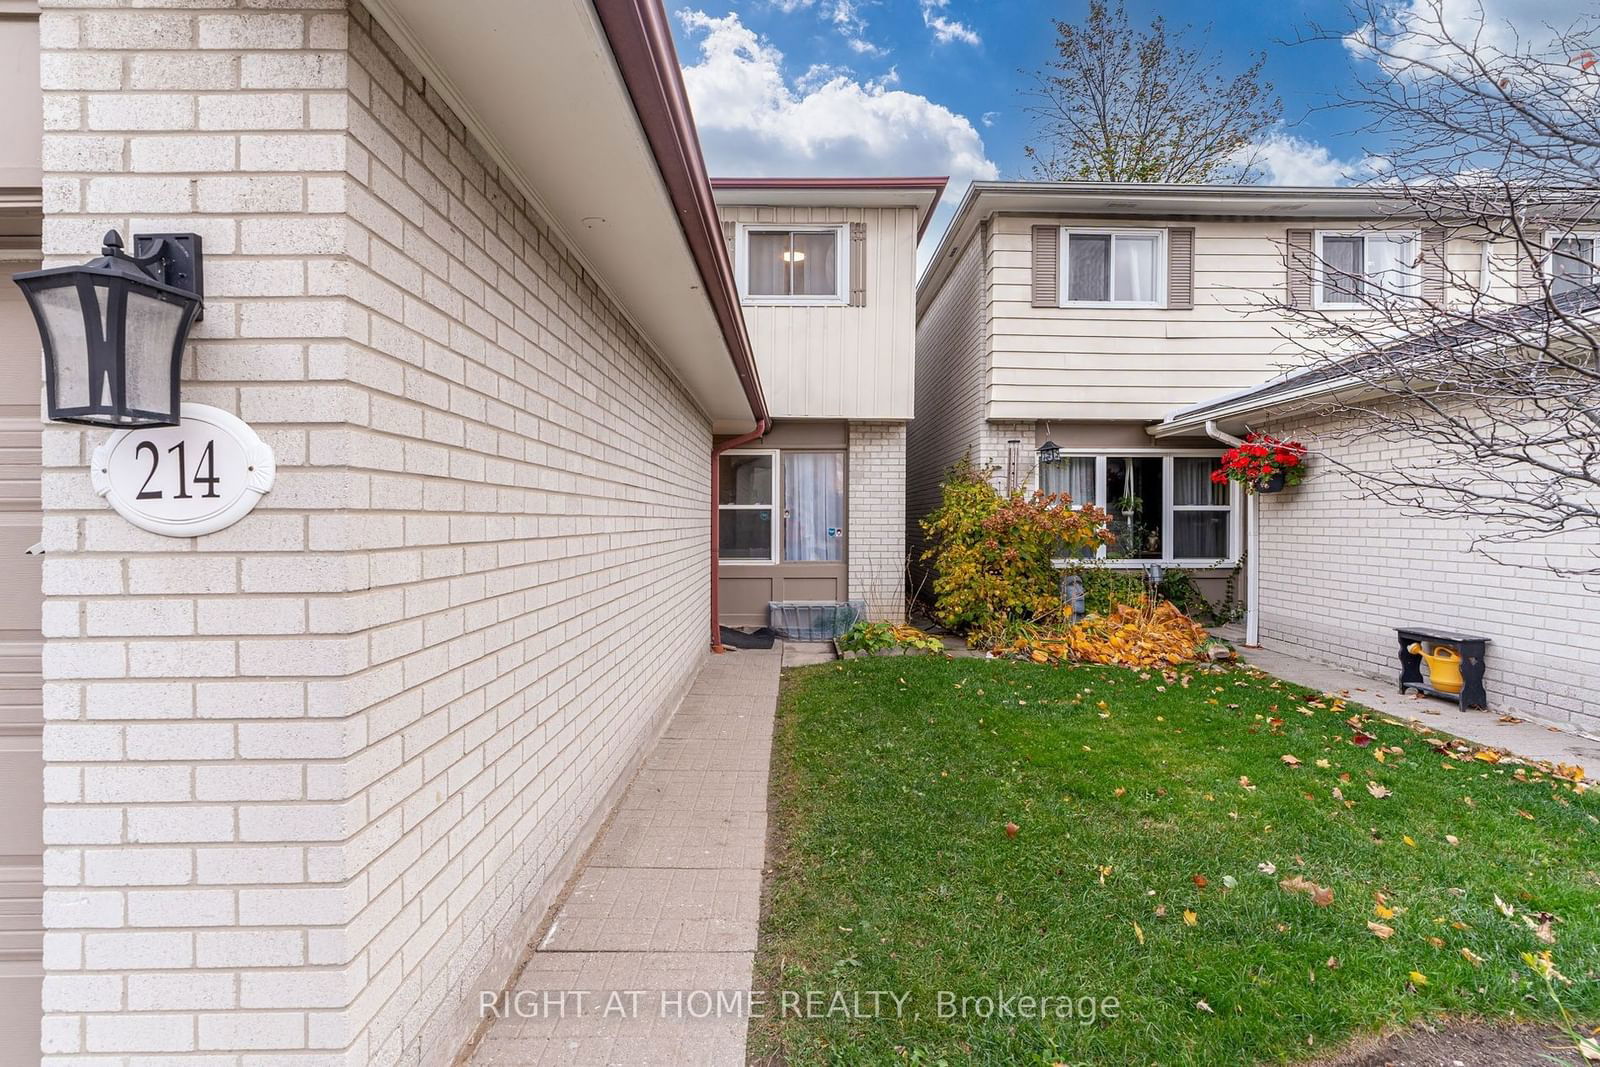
point(669, 901)
point(1531, 740)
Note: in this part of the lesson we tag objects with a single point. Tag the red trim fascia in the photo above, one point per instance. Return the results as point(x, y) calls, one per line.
point(641, 42)
point(933, 183)
point(716, 521)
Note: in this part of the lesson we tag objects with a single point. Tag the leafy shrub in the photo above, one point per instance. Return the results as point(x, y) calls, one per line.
point(880, 636)
point(1107, 588)
point(992, 553)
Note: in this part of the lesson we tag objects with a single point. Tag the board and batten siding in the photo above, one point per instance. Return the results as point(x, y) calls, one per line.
point(1139, 363)
point(839, 361)
point(949, 391)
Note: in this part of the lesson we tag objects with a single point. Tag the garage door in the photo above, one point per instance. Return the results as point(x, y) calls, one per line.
point(21, 765)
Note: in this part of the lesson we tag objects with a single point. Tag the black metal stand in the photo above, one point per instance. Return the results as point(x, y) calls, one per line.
point(1472, 666)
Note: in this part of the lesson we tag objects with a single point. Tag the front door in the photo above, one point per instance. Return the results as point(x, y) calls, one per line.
point(21, 720)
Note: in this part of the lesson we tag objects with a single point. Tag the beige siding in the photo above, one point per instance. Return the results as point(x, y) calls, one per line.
point(840, 361)
point(1141, 363)
point(21, 115)
point(1340, 570)
point(950, 389)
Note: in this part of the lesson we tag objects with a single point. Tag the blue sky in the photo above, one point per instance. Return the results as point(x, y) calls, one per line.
point(811, 87)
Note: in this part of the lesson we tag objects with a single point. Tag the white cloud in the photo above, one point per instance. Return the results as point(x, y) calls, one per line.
point(1290, 160)
point(753, 122)
point(988, 117)
point(1411, 31)
point(946, 29)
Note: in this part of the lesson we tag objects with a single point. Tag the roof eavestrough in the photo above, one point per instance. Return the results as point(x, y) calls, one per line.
point(922, 193)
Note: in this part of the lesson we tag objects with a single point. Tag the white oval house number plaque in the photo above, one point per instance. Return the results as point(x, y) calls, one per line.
point(197, 477)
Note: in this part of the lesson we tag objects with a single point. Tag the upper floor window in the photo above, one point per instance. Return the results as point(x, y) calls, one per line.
point(1572, 264)
point(792, 266)
point(1356, 269)
point(1113, 268)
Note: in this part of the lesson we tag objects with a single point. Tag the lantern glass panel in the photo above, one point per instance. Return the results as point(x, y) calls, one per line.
point(151, 335)
point(63, 317)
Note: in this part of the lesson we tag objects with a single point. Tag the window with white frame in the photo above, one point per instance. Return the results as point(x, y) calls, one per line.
point(1164, 506)
point(1113, 268)
point(805, 265)
point(1363, 269)
point(1572, 263)
point(746, 491)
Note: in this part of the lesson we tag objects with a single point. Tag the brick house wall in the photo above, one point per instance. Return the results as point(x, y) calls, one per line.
point(310, 780)
point(1340, 570)
point(876, 520)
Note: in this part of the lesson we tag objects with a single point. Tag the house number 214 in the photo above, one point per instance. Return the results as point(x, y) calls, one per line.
point(206, 462)
point(194, 478)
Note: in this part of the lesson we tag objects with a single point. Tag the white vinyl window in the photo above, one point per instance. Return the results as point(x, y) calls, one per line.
point(799, 265)
point(1113, 268)
point(1367, 268)
point(1572, 262)
point(747, 491)
point(1164, 507)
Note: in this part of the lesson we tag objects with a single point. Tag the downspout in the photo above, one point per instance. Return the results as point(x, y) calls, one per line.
point(1252, 551)
point(763, 424)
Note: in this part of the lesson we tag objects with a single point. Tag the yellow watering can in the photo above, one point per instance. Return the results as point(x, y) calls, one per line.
point(1444, 667)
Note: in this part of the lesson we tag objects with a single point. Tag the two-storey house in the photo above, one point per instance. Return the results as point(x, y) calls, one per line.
point(813, 509)
point(1141, 329)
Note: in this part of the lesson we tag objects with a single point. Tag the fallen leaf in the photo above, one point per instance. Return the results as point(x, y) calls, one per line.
point(1452, 839)
point(1229, 881)
point(1377, 790)
point(1407, 839)
point(1118, 791)
point(1200, 881)
point(1290, 760)
point(1505, 909)
point(1418, 978)
point(1203, 1006)
point(1382, 912)
point(1360, 740)
point(1323, 764)
point(1161, 911)
point(1471, 956)
point(1487, 755)
point(1011, 829)
point(1382, 932)
point(1321, 896)
point(1333, 963)
point(1190, 918)
point(1267, 868)
point(1138, 932)
point(1244, 781)
point(1589, 1049)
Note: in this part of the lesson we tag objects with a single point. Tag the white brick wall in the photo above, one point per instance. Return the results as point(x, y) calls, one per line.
point(311, 779)
point(1340, 570)
point(876, 524)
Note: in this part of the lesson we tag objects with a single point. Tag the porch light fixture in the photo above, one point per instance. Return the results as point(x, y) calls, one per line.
point(1048, 452)
point(113, 330)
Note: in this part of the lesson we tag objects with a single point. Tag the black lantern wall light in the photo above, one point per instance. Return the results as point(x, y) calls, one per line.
point(114, 329)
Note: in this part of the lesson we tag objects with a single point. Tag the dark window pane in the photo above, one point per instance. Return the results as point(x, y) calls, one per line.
point(1200, 534)
point(744, 479)
point(769, 271)
point(814, 264)
point(1135, 498)
point(745, 533)
point(1088, 267)
point(1342, 259)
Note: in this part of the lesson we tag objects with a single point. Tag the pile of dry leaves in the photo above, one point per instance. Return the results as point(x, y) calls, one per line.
point(1149, 633)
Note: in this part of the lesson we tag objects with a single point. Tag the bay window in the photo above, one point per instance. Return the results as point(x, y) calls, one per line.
point(1357, 269)
point(1113, 268)
point(1164, 507)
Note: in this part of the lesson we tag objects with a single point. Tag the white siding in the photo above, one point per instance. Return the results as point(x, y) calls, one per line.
point(840, 362)
point(1140, 363)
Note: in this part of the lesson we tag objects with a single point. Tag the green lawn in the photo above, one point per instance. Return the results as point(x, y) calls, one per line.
point(895, 780)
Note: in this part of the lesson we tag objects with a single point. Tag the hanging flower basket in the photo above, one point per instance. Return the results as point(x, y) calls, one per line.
point(1265, 464)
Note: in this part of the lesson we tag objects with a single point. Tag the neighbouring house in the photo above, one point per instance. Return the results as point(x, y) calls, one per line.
point(307, 783)
point(1142, 329)
point(813, 510)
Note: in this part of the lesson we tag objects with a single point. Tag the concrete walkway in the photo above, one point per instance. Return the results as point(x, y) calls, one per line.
point(1528, 739)
point(663, 918)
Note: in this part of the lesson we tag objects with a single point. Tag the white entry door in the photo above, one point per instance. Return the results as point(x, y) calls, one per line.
point(21, 719)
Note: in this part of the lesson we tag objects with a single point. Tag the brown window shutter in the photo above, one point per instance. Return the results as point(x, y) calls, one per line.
point(1435, 269)
point(858, 264)
point(1180, 269)
point(1046, 266)
point(1298, 259)
point(1530, 265)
